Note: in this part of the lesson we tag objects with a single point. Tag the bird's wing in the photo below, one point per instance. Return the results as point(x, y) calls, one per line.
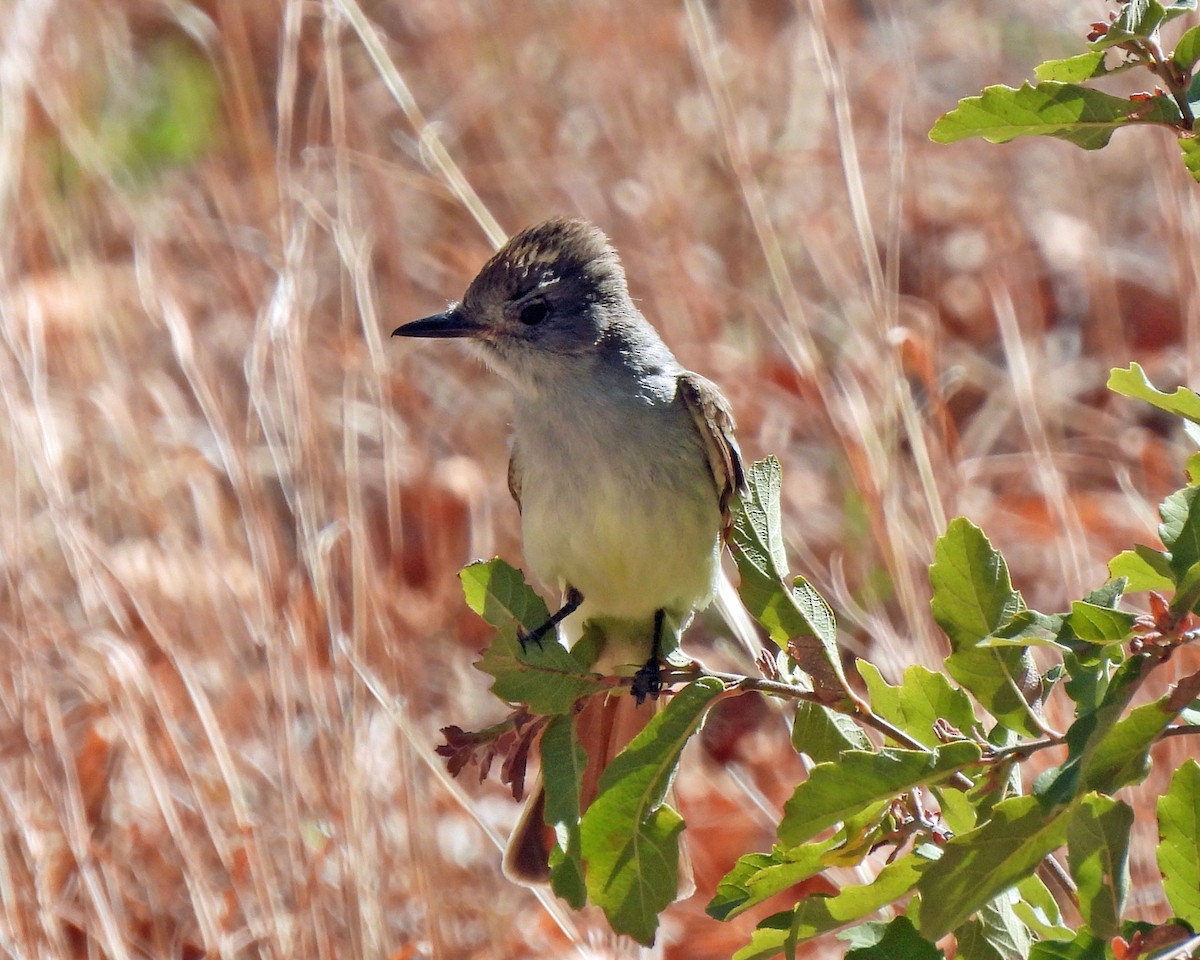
point(514, 474)
point(714, 422)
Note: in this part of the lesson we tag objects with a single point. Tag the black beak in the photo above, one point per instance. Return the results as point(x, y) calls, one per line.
point(442, 325)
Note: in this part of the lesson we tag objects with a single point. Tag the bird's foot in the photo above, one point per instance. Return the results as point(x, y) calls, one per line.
point(536, 635)
point(570, 604)
point(647, 682)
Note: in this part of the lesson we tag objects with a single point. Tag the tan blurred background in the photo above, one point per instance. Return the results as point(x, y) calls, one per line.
point(232, 511)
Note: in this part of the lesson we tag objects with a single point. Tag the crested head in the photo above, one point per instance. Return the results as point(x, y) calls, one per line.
point(551, 299)
point(574, 253)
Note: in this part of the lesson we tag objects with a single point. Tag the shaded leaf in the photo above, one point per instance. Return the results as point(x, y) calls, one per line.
point(548, 678)
point(995, 932)
point(1187, 49)
point(824, 734)
point(1059, 785)
point(1122, 756)
point(1180, 529)
point(1085, 946)
point(1098, 855)
point(630, 837)
point(563, 763)
point(887, 941)
point(835, 791)
point(979, 865)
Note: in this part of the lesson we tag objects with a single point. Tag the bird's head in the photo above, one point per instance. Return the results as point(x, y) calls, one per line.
point(550, 295)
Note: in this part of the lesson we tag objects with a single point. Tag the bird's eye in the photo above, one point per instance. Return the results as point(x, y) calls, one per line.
point(534, 312)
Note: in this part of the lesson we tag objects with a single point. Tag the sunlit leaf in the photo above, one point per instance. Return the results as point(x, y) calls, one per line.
point(920, 700)
point(790, 609)
point(1133, 382)
point(1179, 842)
point(1079, 115)
point(1086, 66)
point(1144, 568)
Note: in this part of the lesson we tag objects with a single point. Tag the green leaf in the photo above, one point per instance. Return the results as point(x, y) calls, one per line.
point(995, 932)
point(1122, 756)
point(888, 941)
point(1187, 50)
point(817, 915)
point(921, 699)
point(548, 679)
point(1101, 625)
point(770, 938)
point(998, 678)
point(977, 866)
point(1039, 910)
point(1086, 66)
point(1098, 855)
point(630, 837)
point(973, 599)
point(1134, 383)
point(497, 591)
point(759, 876)
point(824, 734)
point(1179, 842)
point(1027, 628)
point(1085, 946)
point(1188, 592)
point(1079, 115)
point(835, 791)
point(790, 611)
point(563, 763)
point(1137, 20)
point(1059, 785)
point(1144, 568)
point(1180, 529)
point(972, 593)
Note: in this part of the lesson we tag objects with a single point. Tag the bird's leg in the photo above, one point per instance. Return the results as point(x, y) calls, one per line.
point(571, 603)
point(647, 682)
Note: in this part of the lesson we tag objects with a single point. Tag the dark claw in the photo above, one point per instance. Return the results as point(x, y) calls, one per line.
point(526, 637)
point(647, 682)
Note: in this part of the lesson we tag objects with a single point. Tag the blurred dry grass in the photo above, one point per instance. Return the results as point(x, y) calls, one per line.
point(232, 511)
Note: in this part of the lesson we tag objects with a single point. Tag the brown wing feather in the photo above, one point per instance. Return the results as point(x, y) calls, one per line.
point(714, 421)
point(514, 475)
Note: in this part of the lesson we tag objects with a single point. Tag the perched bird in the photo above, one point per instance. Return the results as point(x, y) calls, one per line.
point(623, 466)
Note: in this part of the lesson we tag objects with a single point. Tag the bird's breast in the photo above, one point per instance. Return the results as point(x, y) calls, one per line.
point(618, 501)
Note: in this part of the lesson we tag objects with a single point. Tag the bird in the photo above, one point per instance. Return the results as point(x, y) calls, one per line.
point(624, 466)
